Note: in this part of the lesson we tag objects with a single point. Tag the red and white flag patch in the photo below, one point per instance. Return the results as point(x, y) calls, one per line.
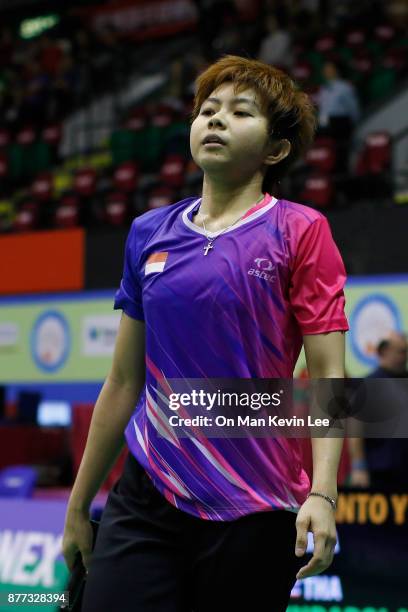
point(156, 263)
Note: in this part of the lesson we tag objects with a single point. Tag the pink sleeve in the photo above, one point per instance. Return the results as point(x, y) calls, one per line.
point(317, 281)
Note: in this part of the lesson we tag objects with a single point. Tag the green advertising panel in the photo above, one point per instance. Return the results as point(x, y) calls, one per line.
point(61, 338)
point(71, 337)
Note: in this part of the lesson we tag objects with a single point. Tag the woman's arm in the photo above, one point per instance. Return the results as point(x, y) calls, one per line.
point(111, 414)
point(325, 354)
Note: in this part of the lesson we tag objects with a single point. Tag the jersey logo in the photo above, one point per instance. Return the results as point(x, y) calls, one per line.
point(265, 270)
point(156, 262)
point(264, 264)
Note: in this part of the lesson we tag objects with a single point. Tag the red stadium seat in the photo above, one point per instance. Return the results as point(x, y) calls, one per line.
point(67, 212)
point(172, 170)
point(51, 134)
point(41, 187)
point(302, 71)
point(384, 32)
point(355, 37)
point(162, 116)
point(137, 119)
point(325, 43)
point(85, 182)
point(395, 58)
point(362, 63)
point(27, 218)
point(322, 155)
point(375, 158)
point(126, 176)
point(117, 209)
point(160, 196)
point(4, 165)
point(318, 190)
point(4, 138)
point(26, 136)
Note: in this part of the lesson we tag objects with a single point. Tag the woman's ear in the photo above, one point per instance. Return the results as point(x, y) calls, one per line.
point(278, 150)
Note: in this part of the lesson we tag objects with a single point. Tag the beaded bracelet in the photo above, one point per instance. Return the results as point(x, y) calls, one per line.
point(331, 501)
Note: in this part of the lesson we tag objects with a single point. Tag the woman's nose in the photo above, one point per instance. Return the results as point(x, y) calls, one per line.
point(215, 120)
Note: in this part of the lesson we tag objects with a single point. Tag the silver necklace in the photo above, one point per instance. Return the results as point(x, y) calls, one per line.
point(211, 239)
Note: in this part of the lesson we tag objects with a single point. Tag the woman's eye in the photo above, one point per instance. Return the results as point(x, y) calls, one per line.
point(242, 114)
point(206, 111)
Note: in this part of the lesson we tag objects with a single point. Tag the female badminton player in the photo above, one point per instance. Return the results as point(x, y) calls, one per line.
point(227, 285)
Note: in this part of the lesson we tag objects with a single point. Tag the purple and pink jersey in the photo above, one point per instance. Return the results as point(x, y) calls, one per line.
point(239, 312)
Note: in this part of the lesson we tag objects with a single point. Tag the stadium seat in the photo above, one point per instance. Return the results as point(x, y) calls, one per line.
point(51, 134)
point(42, 187)
point(17, 481)
point(85, 182)
point(172, 171)
point(318, 190)
point(356, 37)
point(117, 209)
point(160, 196)
point(322, 155)
point(27, 218)
point(4, 165)
point(162, 116)
point(375, 157)
point(362, 64)
point(302, 71)
point(137, 119)
point(325, 43)
point(395, 58)
point(384, 32)
point(126, 176)
point(67, 212)
point(26, 136)
point(5, 138)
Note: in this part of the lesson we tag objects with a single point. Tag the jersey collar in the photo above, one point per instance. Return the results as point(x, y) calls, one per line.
point(260, 209)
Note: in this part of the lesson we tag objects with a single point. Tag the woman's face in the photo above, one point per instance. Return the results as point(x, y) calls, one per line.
point(242, 128)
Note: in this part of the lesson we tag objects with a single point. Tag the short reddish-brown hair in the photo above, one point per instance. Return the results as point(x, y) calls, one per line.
point(291, 113)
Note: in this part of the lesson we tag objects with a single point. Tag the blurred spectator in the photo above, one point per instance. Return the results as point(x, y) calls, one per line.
point(392, 357)
point(381, 462)
point(339, 109)
point(276, 47)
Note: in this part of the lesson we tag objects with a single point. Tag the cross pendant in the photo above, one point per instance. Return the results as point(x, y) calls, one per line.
point(207, 248)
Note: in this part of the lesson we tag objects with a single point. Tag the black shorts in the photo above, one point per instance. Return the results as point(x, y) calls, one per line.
point(151, 557)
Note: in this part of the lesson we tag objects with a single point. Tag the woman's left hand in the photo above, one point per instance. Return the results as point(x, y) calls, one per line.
point(316, 515)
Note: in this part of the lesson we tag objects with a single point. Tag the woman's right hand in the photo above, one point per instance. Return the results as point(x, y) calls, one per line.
point(78, 536)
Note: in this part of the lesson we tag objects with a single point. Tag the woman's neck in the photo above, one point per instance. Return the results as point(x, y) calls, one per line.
point(225, 201)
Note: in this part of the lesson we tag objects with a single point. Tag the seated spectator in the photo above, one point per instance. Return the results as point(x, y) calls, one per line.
point(276, 47)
